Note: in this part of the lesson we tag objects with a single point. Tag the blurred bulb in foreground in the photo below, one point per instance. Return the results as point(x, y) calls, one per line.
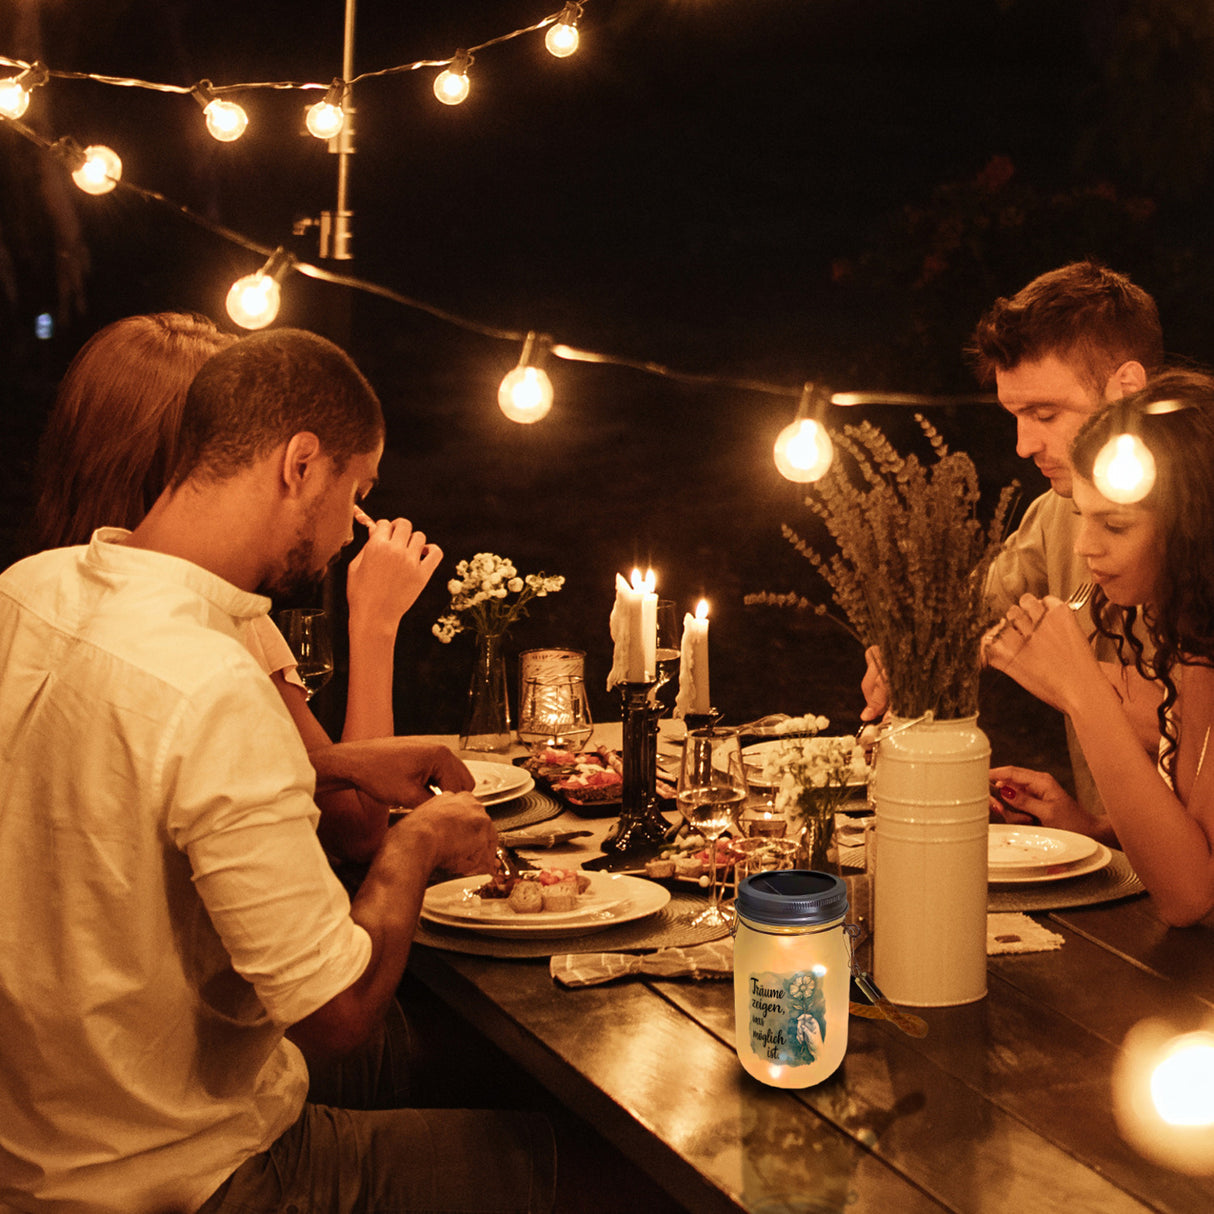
point(561, 39)
point(324, 120)
point(253, 300)
point(225, 120)
point(14, 97)
point(100, 172)
point(1124, 470)
point(803, 451)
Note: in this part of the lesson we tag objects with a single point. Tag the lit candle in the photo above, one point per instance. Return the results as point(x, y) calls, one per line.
point(694, 696)
point(634, 629)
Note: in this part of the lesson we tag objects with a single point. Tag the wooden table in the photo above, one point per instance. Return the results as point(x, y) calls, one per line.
point(1005, 1105)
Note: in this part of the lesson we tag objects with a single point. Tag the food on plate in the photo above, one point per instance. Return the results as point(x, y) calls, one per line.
point(550, 889)
point(690, 857)
point(659, 869)
point(591, 777)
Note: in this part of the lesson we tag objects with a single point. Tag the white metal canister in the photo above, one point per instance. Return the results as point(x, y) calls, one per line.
point(791, 971)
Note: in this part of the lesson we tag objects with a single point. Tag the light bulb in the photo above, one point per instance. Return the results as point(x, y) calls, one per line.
point(1124, 470)
point(803, 451)
point(14, 97)
point(561, 39)
point(452, 85)
point(100, 172)
point(525, 395)
point(253, 300)
point(325, 120)
point(225, 120)
point(1182, 1083)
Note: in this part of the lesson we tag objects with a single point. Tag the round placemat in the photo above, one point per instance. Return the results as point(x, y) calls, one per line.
point(530, 808)
point(1116, 880)
point(663, 929)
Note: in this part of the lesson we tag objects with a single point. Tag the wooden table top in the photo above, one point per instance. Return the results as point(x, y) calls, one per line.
point(1005, 1104)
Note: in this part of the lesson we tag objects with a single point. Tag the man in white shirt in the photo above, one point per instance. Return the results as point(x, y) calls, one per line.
point(1057, 351)
point(171, 935)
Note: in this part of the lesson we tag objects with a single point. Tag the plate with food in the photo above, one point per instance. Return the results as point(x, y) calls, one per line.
point(552, 902)
point(1011, 848)
point(590, 783)
point(498, 782)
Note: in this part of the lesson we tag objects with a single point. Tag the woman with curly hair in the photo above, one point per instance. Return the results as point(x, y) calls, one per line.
point(1145, 727)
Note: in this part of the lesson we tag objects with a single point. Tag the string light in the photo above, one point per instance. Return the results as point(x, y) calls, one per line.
point(451, 86)
point(15, 90)
point(1124, 470)
point(526, 392)
point(253, 300)
point(96, 169)
point(562, 37)
point(226, 121)
point(803, 450)
point(326, 118)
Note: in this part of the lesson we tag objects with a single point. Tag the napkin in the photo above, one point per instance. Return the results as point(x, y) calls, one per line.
point(711, 960)
point(1012, 932)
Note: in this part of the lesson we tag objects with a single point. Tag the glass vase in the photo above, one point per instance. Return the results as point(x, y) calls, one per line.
point(817, 841)
point(487, 720)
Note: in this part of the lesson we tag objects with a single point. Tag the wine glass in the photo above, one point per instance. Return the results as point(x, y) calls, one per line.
point(666, 656)
point(307, 632)
point(554, 712)
point(711, 790)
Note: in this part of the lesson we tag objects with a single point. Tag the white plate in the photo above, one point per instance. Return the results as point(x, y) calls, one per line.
point(754, 757)
point(1099, 859)
point(497, 782)
point(1011, 847)
point(612, 899)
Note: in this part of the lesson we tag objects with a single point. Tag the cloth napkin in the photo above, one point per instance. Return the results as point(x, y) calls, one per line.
point(711, 960)
point(1012, 932)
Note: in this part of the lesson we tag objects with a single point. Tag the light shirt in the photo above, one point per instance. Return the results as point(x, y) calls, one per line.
point(167, 907)
point(261, 637)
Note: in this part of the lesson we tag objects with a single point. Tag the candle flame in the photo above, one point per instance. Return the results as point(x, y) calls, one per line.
point(702, 609)
point(637, 583)
point(650, 582)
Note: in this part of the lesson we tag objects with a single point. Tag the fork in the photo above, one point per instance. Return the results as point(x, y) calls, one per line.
point(1080, 596)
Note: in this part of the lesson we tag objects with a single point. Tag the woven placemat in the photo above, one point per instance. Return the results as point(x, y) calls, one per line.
point(1116, 880)
point(527, 810)
point(664, 929)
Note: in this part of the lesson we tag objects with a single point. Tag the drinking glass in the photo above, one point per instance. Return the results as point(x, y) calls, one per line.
point(711, 791)
point(666, 656)
point(307, 632)
point(554, 712)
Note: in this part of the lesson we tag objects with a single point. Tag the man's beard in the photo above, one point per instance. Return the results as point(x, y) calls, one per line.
point(297, 575)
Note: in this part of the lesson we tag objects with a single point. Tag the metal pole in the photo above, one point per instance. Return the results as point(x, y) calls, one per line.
point(335, 224)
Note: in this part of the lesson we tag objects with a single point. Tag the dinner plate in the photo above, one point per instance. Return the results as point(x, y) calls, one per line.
point(611, 899)
point(1099, 859)
point(496, 782)
point(754, 756)
point(1011, 848)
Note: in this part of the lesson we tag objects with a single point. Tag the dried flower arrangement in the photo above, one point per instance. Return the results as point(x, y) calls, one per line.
point(911, 563)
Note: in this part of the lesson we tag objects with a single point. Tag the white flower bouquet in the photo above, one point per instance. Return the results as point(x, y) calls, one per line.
point(812, 776)
point(488, 595)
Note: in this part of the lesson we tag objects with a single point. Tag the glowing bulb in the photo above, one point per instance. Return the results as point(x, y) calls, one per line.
point(325, 120)
point(14, 97)
point(253, 300)
point(451, 86)
point(1182, 1084)
point(1124, 470)
point(525, 395)
point(225, 120)
point(100, 172)
point(561, 39)
point(803, 451)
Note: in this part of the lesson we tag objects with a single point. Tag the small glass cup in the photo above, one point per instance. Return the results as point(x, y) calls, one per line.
point(554, 712)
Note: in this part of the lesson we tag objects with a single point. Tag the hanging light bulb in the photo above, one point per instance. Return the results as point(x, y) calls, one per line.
point(253, 300)
point(1124, 470)
point(562, 37)
point(526, 392)
point(100, 170)
point(15, 90)
point(326, 118)
point(803, 450)
point(452, 85)
point(225, 120)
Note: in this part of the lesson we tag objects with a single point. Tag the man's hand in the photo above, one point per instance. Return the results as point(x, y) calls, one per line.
point(458, 834)
point(874, 685)
point(396, 771)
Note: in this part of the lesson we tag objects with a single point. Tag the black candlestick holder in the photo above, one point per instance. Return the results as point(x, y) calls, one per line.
point(641, 824)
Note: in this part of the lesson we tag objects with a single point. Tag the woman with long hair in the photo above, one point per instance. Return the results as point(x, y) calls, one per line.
point(1145, 727)
point(107, 453)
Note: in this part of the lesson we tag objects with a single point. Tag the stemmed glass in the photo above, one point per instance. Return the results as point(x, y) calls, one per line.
point(711, 791)
point(666, 655)
point(554, 711)
point(307, 632)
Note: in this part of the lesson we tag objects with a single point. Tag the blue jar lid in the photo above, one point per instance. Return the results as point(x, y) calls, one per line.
point(795, 897)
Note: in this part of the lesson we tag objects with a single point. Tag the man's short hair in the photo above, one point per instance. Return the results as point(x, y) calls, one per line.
point(1085, 314)
point(263, 389)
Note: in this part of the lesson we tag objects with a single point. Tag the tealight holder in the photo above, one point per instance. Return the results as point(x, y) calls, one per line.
point(641, 823)
point(702, 720)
